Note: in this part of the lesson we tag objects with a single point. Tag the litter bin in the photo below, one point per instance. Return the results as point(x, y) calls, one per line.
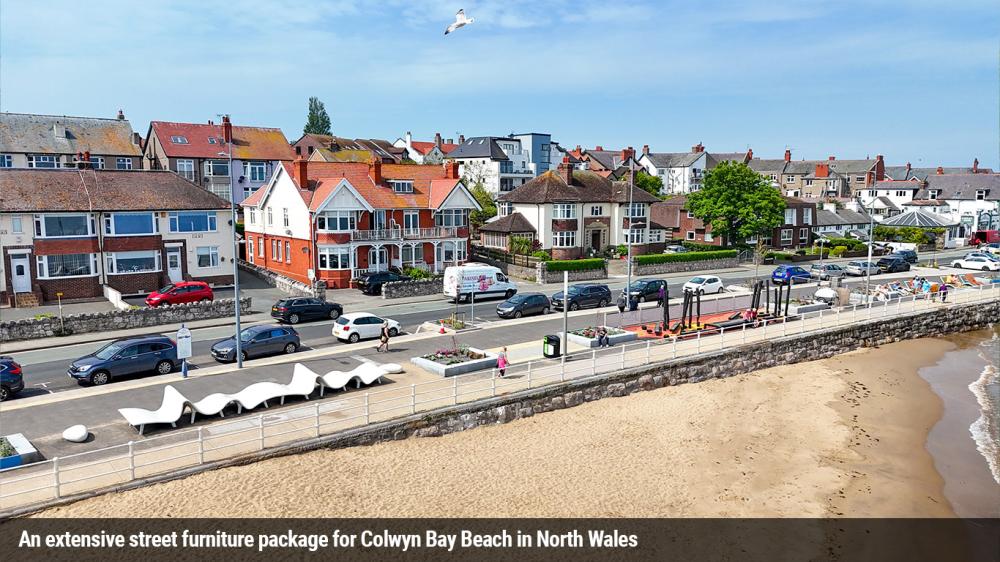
point(550, 346)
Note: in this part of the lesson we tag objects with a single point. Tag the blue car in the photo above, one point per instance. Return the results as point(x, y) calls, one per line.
point(11, 378)
point(789, 274)
point(129, 356)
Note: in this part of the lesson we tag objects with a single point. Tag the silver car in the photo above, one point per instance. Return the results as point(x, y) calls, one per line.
point(862, 268)
point(826, 271)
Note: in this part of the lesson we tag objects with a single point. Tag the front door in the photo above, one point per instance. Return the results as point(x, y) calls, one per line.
point(595, 240)
point(20, 273)
point(174, 265)
point(378, 259)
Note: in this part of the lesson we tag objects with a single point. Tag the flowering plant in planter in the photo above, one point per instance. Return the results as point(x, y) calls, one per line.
point(591, 331)
point(453, 355)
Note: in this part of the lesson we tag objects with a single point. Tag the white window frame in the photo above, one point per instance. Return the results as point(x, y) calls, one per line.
point(790, 218)
point(808, 183)
point(635, 211)
point(807, 216)
point(174, 221)
point(40, 231)
point(690, 215)
point(564, 239)
point(111, 259)
point(504, 208)
point(260, 247)
point(457, 218)
point(342, 252)
point(284, 216)
point(97, 162)
point(6, 161)
point(185, 169)
point(709, 237)
point(859, 178)
point(690, 235)
point(563, 211)
point(803, 234)
point(33, 160)
point(209, 168)
point(789, 232)
point(411, 221)
point(250, 254)
point(270, 217)
point(123, 163)
point(213, 256)
point(597, 210)
point(256, 171)
point(655, 235)
point(635, 236)
point(110, 230)
point(789, 179)
point(337, 218)
point(252, 215)
point(412, 250)
point(16, 224)
point(401, 186)
point(42, 267)
point(288, 252)
point(933, 194)
point(179, 139)
point(980, 195)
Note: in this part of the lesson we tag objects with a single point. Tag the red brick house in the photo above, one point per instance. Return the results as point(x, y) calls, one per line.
point(679, 224)
point(334, 221)
point(75, 231)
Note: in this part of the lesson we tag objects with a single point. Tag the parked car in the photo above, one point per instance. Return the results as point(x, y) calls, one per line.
point(862, 268)
point(584, 294)
point(705, 284)
point(986, 255)
point(977, 262)
point(127, 356)
point(362, 325)
point(371, 284)
point(790, 274)
point(991, 248)
point(675, 249)
point(981, 237)
point(523, 304)
point(294, 310)
point(11, 377)
point(892, 263)
point(826, 271)
point(257, 341)
point(909, 255)
point(179, 293)
point(646, 289)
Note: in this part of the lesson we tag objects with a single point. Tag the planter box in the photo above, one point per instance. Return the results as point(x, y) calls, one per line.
point(804, 308)
point(592, 342)
point(26, 452)
point(487, 362)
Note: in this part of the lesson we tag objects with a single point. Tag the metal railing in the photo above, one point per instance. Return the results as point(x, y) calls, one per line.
point(120, 464)
point(393, 234)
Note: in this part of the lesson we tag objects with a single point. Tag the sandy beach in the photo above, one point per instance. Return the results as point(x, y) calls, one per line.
point(840, 437)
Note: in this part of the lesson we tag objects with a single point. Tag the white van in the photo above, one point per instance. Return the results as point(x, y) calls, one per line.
point(461, 281)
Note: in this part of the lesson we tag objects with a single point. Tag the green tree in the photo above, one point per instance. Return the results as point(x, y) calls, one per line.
point(318, 122)
point(519, 245)
point(485, 200)
point(652, 184)
point(738, 202)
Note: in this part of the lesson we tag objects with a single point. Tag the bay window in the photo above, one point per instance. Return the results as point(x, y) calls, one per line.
point(635, 236)
point(336, 221)
point(129, 224)
point(450, 217)
point(144, 261)
point(197, 221)
point(208, 256)
point(786, 235)
point(564, 239)
point(334, 258)
point(64, 226)
point(448, 252)
point(68, 265)
point(656, 236)
point(563, 211)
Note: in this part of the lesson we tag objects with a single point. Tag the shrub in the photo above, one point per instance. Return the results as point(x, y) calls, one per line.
point(416, 273)
point(786, 256)
point(6, 449)
point(575, 265)
point(687, 256)
point(698, 247)
point(541, 254)
point(838, 251)
point(622, 249)
point(849, 243)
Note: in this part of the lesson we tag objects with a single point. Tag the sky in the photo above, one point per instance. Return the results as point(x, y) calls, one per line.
point(917, 81)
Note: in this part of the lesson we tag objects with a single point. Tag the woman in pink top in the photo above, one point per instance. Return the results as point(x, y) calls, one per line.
point(502, 362)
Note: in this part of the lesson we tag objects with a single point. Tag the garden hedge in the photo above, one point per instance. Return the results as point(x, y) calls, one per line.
point(686, 256)
point(575, 265)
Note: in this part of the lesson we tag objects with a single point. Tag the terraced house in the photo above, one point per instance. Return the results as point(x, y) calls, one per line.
point(70, 233)
point(200, 154)
point(335, 221)
point(58, 141)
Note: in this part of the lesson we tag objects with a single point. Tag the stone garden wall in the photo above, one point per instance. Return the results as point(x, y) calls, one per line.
point(682, 266)
point(421, 288)
point(171, 316)
point(543, 275)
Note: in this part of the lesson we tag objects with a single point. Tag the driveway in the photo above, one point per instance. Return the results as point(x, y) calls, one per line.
point(263, 295)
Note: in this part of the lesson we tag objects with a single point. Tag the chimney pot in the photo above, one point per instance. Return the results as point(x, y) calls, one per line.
point(940, 171)
point(210, 122)
point(645, 149)
point(788, 155)
point(599, 148)
point(121, 115)
point(461, 139)
point(975, 166)
point(749, 154)
point(831, 158)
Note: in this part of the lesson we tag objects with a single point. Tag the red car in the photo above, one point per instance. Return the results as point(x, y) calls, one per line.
point(177, 293)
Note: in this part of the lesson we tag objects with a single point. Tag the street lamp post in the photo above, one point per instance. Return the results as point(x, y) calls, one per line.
point(868, 264)
point(227, 131)
point(628, 237)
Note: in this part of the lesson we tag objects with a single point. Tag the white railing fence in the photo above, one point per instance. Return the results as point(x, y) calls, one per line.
point(120, 464)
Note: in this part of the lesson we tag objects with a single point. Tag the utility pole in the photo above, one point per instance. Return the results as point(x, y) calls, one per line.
point(227, 132)
point(628, 236)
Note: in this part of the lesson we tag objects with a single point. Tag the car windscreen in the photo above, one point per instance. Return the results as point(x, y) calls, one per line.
point(698, 280)
point(517, 299)
point(166, 289)
point(575, 290)
point(109, 351)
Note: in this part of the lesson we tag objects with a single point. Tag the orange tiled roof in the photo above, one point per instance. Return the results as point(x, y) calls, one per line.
point(425, 147)
point(429, 184)
point(249, 143)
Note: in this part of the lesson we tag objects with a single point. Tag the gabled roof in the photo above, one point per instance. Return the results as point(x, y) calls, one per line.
point(608, 159)
point(884, 202)
point(586, 186)
point(42, 190)
point(673, 159)
point(514, 222)
point(206, 141)
point(424, 147)
point(761, 165)
point(713, 159)
point(25, 132)
point(832, 175)
point(959, 186)
point(480, 147)
point(843, 217)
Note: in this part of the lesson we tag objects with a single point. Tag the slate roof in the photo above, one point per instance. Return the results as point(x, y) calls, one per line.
point(715, 158)
point(920, 218)
point(923, 173)
point(249, 143)
point(812, 176)
point(479, 147)
point(767, 165)
point(896, 184)
point(885, 202)
point(673, 159)
point(45, 190)
point(608, 159)
point(845, 167)
point(843, 217)
point(514, 222)
point(25, 132)
point(959, 186)
point(586, 187)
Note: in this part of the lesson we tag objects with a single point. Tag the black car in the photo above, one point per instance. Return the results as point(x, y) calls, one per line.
point(128, 356)
point(646, 289)
point(257, 341)
point(371, 284)
point(523, 304)
point(892, 263)
point(11, 378)
point(583, 295)
point(909, 255)
point(294, 310)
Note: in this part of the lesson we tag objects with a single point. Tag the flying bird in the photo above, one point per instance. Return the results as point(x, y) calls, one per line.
point(460, 21)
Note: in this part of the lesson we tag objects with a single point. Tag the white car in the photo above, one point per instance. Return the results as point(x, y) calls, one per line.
point(362, 325)
point(977, 262)
point(705, 284)
point(980, 254)
point(862, 268)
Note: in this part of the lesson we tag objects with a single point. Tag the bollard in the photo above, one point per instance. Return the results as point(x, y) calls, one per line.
point(413, 398)
point(131, 461)
point(260, 429)
point(367, 411)
point(55, 476)
point(201, 447)
point(623, 357)
point(593, 362)
point(317, 419)
point(454, 390)
point(529, 374)
point(647, 352)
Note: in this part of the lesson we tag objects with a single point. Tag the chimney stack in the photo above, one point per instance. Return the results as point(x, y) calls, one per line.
point(908, 168)
point(137, 139)
point(940, 171)
point(645, 149)
point(409, 139)
point(227, 129)
point(975, 166)
point(822, 170)
point(788, 155)
point(451, 170)
point(210, 122)
point(121, 115)
point(566, 171)
point(698, 148)
point(437, 140)
point(627, 153)
point(449, 141)
point(749, 154)
point(831, 158)
point(599, 148)
point(375, 169)
point(461, 139)
point(300, 173)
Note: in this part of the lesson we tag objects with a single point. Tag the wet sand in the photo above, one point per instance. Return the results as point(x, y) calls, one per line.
point(840, 437)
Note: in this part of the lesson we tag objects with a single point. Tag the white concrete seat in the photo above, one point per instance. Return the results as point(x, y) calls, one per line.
point(303, 383)
point(365, 373)
point(391, 368)
point(211, 405)
point(257, 394)
point(76, 433)
point(171, 409)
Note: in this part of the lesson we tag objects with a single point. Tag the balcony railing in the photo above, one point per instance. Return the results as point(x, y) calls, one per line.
point(392, 234)
point(516, 172)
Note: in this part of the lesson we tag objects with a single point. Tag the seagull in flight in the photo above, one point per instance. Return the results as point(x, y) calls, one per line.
point(460, 21)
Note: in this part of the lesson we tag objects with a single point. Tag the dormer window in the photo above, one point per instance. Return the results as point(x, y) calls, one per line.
point(401, 186)
point(211, 140)
point(178, 139)
point(980, 195)
point(933, 194)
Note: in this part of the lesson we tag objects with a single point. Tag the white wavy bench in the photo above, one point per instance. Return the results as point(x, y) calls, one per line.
point(365, 373)
point(171, 409)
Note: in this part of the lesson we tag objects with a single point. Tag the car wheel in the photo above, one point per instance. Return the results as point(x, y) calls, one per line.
point(334, 314)
point(985, 268)
point(545, 310)
point(603, 303)
point(293, 318)
point(99, 378)
point(243, 355)
point(393, 332)
point(509, 293)
point(353, 338)
point(574, 306)
point(164, 367)
point(642, 298)
point(517, 314)
point(291, 348)
point(721, 290)
point(4, 393)
point(701, 292)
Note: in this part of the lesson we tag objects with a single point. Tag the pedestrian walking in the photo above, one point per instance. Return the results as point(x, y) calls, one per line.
point(502, 362)
point(621, 303)
point(661, 295)
point(383, 346)
point(944, 292)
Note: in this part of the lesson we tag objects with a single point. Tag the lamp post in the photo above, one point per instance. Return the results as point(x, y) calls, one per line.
point(628, 237)
point(868, 264)
point(228, 133)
